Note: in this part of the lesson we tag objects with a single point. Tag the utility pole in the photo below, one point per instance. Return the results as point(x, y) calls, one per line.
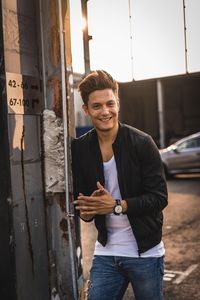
point(67, 102)
point(86, 37)
point(161, 112)
point(59, 130)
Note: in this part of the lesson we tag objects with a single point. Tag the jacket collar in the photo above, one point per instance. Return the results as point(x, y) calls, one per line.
point(94, 137)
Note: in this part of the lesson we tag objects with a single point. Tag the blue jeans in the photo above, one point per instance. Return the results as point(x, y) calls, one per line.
point(110, 276)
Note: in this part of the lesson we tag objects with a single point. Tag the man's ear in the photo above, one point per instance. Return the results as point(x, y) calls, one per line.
point(85, 108)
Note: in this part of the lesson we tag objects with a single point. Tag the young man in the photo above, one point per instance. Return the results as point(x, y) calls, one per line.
point(119, 182)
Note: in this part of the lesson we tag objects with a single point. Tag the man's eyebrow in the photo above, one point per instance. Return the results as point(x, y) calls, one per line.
point(99, 103)
point(95, 103)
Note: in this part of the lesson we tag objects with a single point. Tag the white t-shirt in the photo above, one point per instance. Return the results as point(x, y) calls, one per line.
point(121, 240)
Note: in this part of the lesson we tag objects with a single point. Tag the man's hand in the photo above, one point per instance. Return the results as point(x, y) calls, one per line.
point(99, 203)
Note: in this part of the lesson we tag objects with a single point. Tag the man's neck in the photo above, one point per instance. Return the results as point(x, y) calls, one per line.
point(107, 136)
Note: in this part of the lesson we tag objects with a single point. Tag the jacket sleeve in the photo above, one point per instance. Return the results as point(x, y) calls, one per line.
point(153, 198)
point(78, 178)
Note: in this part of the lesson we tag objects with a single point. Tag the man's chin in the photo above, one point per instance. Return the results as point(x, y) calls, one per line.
point(102, 128)
point(106, 129)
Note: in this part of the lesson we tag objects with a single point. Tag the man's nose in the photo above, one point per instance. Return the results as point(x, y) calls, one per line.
point(105, 109)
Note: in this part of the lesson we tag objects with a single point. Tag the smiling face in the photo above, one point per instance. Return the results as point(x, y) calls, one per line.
point(103, 109)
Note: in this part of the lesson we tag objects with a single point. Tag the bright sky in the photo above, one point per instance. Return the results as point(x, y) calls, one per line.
point(148, 44)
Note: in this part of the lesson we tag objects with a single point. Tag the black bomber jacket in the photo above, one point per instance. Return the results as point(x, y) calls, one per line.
point(141, 181)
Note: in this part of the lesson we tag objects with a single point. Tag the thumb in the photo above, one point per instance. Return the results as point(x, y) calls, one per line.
point(101, 187)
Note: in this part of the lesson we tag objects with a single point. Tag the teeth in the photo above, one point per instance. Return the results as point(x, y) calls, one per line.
point(106, 119)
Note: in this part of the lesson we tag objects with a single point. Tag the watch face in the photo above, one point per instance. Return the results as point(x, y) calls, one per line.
point(118, 209)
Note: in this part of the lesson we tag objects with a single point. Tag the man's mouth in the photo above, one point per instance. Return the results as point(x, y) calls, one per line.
point(105, 119)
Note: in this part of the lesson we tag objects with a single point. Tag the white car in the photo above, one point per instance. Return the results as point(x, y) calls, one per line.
point(183, 156)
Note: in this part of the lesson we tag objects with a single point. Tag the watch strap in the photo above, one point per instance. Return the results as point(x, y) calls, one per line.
point(118, 201)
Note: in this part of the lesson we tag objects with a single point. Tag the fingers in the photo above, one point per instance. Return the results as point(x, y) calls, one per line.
point(101, 187)
point(98, 192)
point(85, 208)
point(88, 199)
point(84, 202)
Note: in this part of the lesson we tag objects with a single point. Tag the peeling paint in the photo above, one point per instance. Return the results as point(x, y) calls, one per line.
point(55, 85)
point(64, 228)
point(53, 275)
point(53, 152)
point(54, 294)
point(54, 39)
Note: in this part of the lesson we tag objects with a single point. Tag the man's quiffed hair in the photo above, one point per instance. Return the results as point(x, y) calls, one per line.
point(97, 80)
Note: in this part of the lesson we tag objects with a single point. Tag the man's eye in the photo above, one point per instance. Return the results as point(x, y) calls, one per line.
point(96, 106)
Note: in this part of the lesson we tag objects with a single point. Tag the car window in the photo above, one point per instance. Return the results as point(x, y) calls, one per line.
point(193, 143)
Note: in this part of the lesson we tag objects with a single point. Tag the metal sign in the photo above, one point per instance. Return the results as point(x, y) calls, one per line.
point(23, 94)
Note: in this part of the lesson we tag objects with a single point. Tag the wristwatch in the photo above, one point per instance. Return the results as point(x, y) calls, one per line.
point(118, 207)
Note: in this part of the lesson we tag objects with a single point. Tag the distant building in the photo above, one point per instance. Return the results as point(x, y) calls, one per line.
point(139, 106)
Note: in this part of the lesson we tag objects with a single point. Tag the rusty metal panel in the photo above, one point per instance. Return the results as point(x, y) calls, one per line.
point(28, 207)
point(7, 266)
point(46, 234)
point(21, 52)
